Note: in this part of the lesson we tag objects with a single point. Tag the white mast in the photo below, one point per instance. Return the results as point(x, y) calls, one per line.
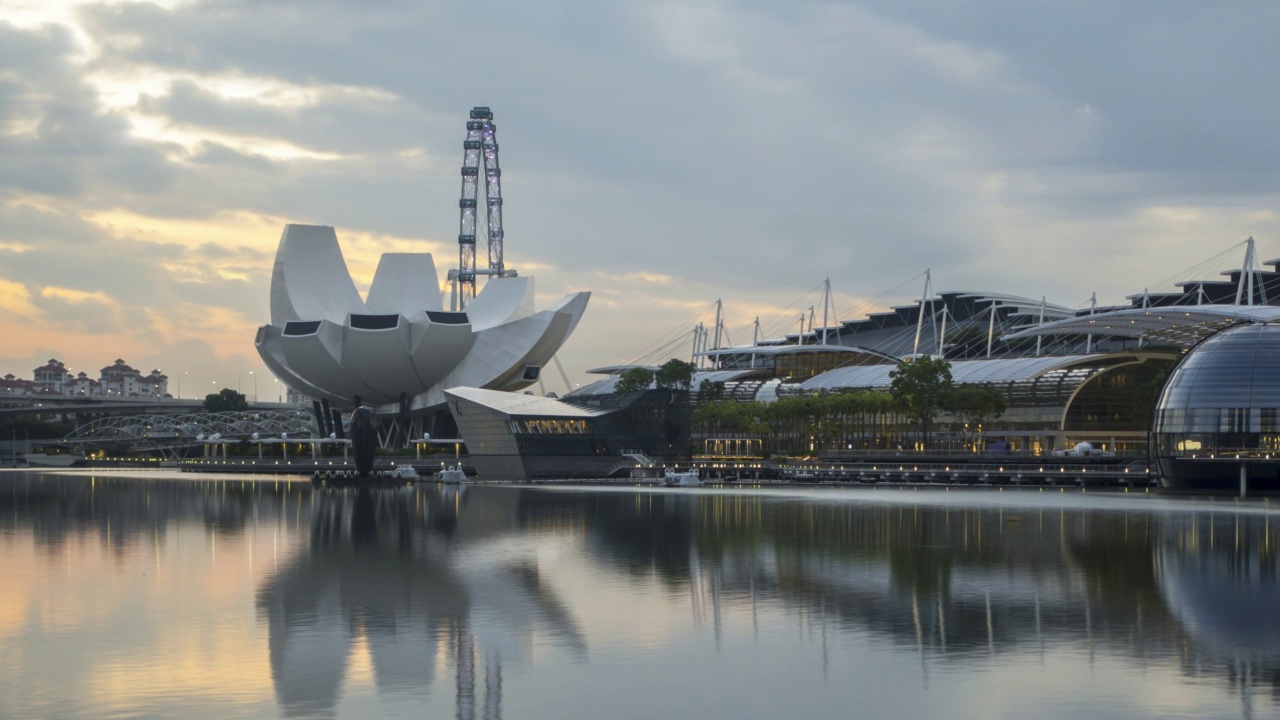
point(942, 337)
point(1146, 302)
point(719, 307)
point(1039, 337)
point(924, 298)
point(1093, 305)
point(1247, 274)
point(755, 341)
point(1257, 267)
point(811, 321)
point(697, 336)
point(826, 302)
point(991, 327)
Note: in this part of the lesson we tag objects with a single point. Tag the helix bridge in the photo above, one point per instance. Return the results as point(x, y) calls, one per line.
point(174, 430)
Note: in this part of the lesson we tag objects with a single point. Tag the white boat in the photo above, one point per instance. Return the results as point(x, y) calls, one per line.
point(688, 478)
point(452, 474)
point(43, 460)
point(404, 472)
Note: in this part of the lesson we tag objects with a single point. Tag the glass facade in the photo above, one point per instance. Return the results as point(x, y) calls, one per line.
point(1224, 397)
point(655, 422)
point(1116, 400)
point(799, 366)
point(551, 426)
point(486, 430)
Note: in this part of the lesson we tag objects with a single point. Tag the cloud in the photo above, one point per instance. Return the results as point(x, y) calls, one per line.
point(77, 310)
point(662, 154)
point(15, 301)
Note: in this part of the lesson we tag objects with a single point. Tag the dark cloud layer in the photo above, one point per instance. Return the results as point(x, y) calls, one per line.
point(748, 147)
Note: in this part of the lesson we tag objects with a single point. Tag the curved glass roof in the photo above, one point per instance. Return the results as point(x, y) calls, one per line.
point(1230, 383)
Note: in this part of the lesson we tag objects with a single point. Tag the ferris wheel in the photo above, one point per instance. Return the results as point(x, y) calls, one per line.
point(481, 142)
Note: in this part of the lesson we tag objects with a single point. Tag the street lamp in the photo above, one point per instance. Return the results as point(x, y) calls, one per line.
point(180, 385)
point(255, 384)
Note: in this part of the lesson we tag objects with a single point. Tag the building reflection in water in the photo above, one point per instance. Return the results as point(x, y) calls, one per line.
point(442, 592)
point(408, 573)
point(1195, 588)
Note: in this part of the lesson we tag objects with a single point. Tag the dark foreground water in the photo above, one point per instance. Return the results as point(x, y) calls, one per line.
point(172, 596)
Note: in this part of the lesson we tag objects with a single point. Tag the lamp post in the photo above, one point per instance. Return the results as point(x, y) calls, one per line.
point(255, 383)
point(180, 385)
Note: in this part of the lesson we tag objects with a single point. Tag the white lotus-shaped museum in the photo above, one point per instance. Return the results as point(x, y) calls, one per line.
point(327, 342)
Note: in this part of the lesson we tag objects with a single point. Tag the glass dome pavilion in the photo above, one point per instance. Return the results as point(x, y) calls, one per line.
point(1221, 406)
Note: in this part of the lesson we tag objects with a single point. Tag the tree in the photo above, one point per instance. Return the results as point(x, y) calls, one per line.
point(1144, 395)
point(730, 417)
point(675, 374)
point(225, 400)
point(633, 380)
point(709, 391)
point(976, 405)
point(921, 385)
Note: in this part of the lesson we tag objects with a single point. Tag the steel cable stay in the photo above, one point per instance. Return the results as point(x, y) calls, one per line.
point(1202, 269)
point(666, 340)
point(781, 321)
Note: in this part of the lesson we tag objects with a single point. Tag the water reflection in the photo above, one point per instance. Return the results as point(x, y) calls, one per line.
point(1196, 586)
point(446, 600)
point(388, 566)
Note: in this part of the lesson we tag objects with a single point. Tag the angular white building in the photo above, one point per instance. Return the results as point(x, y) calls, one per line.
point(398, 348)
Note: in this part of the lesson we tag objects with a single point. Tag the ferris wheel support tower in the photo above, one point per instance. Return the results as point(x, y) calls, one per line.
point(481, 142)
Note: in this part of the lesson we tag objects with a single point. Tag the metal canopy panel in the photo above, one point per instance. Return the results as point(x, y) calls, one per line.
point(606, 385)
point(721, 375)
point(519, 404)
point(1183, 325)
point(798, 349)
point(617, 369)
point(999, 370)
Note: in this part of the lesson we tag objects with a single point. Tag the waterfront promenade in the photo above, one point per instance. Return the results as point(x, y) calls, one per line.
point(1042, 472)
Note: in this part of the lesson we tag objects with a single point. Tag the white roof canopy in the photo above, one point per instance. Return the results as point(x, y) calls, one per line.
point(1182, 325)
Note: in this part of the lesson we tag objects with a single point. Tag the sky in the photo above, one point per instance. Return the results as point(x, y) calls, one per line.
point(660, 154)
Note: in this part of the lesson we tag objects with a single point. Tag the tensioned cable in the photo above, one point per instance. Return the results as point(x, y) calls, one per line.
point(785, 317)
point(671, 349)
point(880, 300)
point(1198, 271)
point(1210, 262)
point(682, 328)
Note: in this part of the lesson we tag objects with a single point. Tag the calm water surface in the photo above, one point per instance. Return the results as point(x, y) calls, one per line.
point(152, 595)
